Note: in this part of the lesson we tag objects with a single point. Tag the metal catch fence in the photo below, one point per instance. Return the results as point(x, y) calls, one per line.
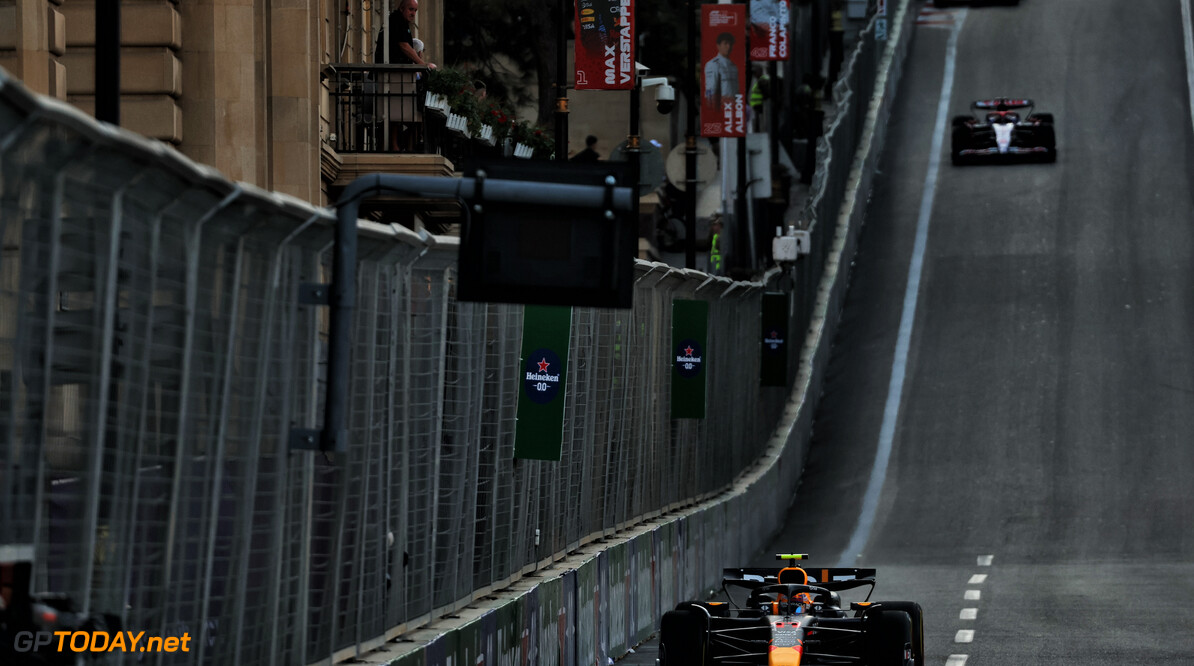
point(835, 159)
point(154, 357)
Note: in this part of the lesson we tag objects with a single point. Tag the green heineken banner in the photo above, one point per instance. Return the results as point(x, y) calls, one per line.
point(542, 371)
point(773, 366)
point(690, 332)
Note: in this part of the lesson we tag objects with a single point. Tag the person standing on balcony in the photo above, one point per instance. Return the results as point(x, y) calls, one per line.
point(405, 114)
point(402, 41)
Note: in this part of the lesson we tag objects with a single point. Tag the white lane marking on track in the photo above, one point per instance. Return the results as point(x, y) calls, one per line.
point(899, 365)
point(1189, 55)
point(972, 595)
point(956, 660)
point(964, 636)
point(985, 560)
point(968, 614)
point(978, 579)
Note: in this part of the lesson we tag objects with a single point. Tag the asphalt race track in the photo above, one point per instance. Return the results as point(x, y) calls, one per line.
point(1043, 449)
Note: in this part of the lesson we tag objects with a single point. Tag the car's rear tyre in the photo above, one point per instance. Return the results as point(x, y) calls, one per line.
point(1044, 118)
point(941, 4)
point(682, 635)
point(890, 638)
point(958, 142)
point(917, 614)
point(1048, 139)
point(960, 121)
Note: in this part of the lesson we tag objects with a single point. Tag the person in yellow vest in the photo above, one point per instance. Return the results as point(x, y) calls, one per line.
point(760, 91)
point(715, 267)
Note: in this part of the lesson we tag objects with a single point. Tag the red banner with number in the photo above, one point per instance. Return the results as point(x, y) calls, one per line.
point(769, 29)
point(604, 45)
point(723, 70)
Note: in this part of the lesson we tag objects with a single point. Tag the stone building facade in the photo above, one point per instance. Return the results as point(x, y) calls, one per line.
point(240, 85)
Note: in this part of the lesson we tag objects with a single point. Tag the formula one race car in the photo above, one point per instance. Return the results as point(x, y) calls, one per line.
point(996, 132)
point(793, 617)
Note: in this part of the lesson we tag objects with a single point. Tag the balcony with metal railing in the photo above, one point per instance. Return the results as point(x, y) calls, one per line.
point(378, 108)
point(383, 119)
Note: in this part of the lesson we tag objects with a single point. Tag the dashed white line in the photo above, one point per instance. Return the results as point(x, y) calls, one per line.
point(969, 614)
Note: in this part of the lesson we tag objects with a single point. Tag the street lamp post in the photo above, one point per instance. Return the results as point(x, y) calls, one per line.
point(633, 148)
point(561, 133)
point(690, 147)
point(107, 61)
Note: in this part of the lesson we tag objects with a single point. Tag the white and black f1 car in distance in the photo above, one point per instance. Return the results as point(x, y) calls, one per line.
point(791, 616)
point(1001, 130)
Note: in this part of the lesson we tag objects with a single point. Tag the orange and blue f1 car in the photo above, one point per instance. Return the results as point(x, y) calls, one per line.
point(793, 616)
point(1002, 130)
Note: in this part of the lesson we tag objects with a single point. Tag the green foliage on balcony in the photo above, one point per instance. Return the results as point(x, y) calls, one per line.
point(458, 87)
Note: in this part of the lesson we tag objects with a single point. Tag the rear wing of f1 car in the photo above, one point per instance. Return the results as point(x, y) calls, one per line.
point(837, 578)
point(824, 579)
point(1003, 104)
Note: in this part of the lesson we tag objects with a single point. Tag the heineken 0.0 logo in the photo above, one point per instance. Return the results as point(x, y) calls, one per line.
point(773, 340)
point(542, 376)
point(689, 357)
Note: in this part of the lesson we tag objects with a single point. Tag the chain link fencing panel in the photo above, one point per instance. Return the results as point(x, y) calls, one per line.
point(156, 358)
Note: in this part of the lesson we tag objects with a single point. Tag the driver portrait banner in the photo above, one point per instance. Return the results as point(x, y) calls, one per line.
point(769, 29)
point(604, 45)
point(689, 358)
point(542, 377)
point(723, 70)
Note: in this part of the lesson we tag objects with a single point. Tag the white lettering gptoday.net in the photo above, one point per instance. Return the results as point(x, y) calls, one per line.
point(99, 641)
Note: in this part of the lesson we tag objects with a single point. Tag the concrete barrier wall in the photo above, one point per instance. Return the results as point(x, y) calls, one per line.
point(608, 597)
